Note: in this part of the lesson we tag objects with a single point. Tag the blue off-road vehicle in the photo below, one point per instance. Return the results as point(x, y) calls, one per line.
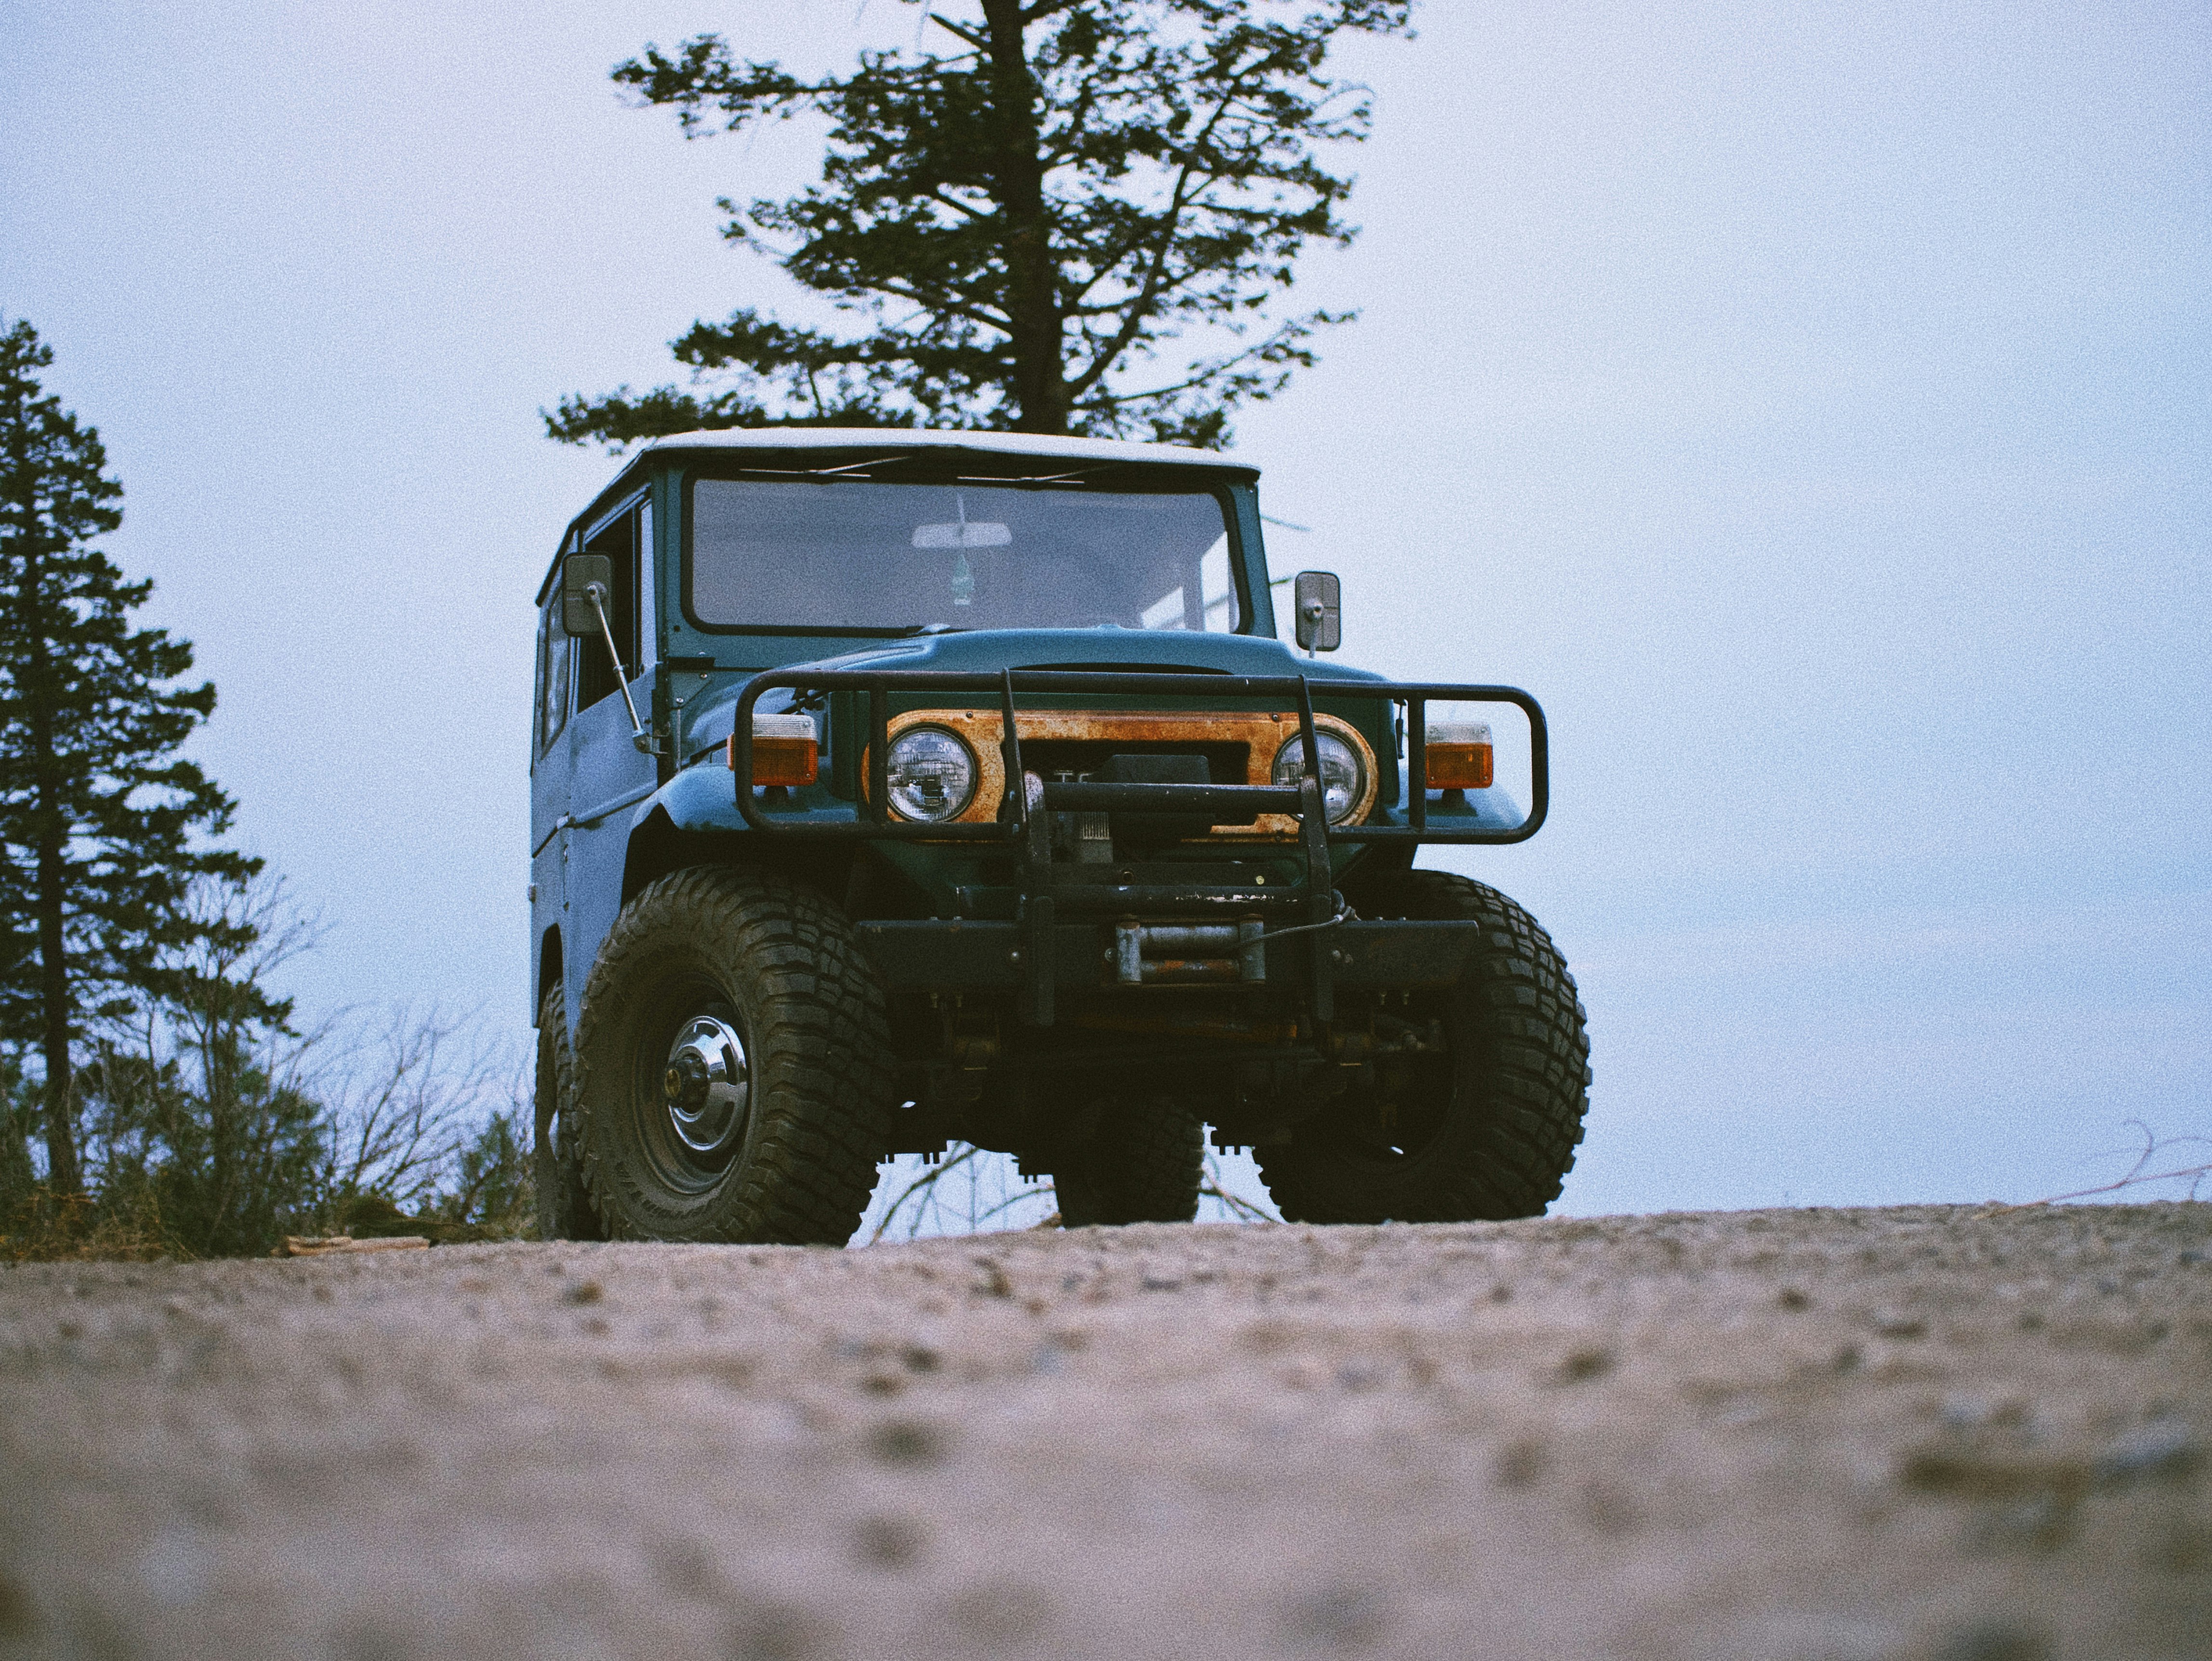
point(895, 787)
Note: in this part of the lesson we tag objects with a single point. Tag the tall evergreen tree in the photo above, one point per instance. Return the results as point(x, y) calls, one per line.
point(1026, 220)
point(102, 824)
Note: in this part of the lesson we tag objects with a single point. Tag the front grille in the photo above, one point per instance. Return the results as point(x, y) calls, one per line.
point(1078, 758)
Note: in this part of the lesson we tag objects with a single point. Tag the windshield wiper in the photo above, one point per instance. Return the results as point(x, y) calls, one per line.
point(913, 629)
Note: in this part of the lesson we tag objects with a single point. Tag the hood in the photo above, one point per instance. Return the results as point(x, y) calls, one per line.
point(987, 651)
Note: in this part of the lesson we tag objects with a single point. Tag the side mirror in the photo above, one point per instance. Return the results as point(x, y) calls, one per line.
point(1316, 599)
point(578, 573)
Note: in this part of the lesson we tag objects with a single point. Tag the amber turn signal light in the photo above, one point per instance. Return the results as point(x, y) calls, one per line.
point(1459, 757)
point(785, 750)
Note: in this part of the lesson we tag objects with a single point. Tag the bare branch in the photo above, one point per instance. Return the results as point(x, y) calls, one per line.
point(2136, 1178)
point(400, 1097)
point(923, 1185)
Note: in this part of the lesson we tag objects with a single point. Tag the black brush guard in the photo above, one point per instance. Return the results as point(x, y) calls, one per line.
point(1038, 952)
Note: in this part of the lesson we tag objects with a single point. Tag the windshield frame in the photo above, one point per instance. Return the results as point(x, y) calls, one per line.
point(1024, 473)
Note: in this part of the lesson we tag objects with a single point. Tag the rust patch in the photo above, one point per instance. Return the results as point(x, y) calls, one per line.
point(1261, 734)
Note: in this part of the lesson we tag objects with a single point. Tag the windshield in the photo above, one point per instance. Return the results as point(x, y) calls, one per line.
point(854, 554)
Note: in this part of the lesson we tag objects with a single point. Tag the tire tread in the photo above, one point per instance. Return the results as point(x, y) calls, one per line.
point(1145, 1163)
point(1529, 1030)
point(820, 1042)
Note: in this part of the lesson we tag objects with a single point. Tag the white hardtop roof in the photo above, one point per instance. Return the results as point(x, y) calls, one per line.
point(892, 438)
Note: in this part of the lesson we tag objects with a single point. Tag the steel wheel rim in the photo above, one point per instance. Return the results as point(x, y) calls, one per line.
point(692, 1091)
point(707, 1086)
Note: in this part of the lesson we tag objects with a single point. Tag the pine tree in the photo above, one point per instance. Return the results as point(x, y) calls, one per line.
point(103, 825)
point(1027, 221)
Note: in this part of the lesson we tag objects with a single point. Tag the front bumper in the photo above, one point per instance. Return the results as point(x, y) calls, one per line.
point(960, 955)
point(1070, 929)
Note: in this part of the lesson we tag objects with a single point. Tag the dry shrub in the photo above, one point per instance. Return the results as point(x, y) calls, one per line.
point(46, 1227)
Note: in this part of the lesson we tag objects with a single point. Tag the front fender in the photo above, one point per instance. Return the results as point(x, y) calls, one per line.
point(703, 797)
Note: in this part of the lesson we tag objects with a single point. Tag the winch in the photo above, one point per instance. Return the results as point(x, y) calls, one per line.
point(1149, 954)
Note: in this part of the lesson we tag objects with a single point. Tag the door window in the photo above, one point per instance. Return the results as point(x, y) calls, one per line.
point(647, 636)
point(617, 540)
point(555, 651)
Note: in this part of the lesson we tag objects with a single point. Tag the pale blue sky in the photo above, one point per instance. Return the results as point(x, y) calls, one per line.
point(1811, 404)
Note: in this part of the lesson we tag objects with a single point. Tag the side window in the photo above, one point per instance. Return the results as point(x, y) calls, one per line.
point(647, 600)
point(554, 651)
point(596, 678)
point(537, 690)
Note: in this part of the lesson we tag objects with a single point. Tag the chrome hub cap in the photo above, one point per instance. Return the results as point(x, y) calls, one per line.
point(706, 1085)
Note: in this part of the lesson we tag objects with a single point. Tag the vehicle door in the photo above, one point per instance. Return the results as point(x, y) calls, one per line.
point(608, 774)
point(550, 769)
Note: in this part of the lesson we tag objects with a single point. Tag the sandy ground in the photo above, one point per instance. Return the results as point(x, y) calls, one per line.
point(1780, 1436)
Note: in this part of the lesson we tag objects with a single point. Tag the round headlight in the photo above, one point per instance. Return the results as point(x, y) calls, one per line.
point(930, 774)
point(1343, 779)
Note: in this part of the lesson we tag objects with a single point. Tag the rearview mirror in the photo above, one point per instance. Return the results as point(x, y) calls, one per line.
point(578, 573)
point(1316, 599)
point(971, 533)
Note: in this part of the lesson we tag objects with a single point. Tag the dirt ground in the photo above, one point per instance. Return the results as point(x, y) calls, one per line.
point(1777, 1436)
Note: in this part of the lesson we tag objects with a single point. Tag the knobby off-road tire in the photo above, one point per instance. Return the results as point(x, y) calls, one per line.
point(731, 974)
point(564, 1205)
point(1144, 1164)
point(1486, 1130)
